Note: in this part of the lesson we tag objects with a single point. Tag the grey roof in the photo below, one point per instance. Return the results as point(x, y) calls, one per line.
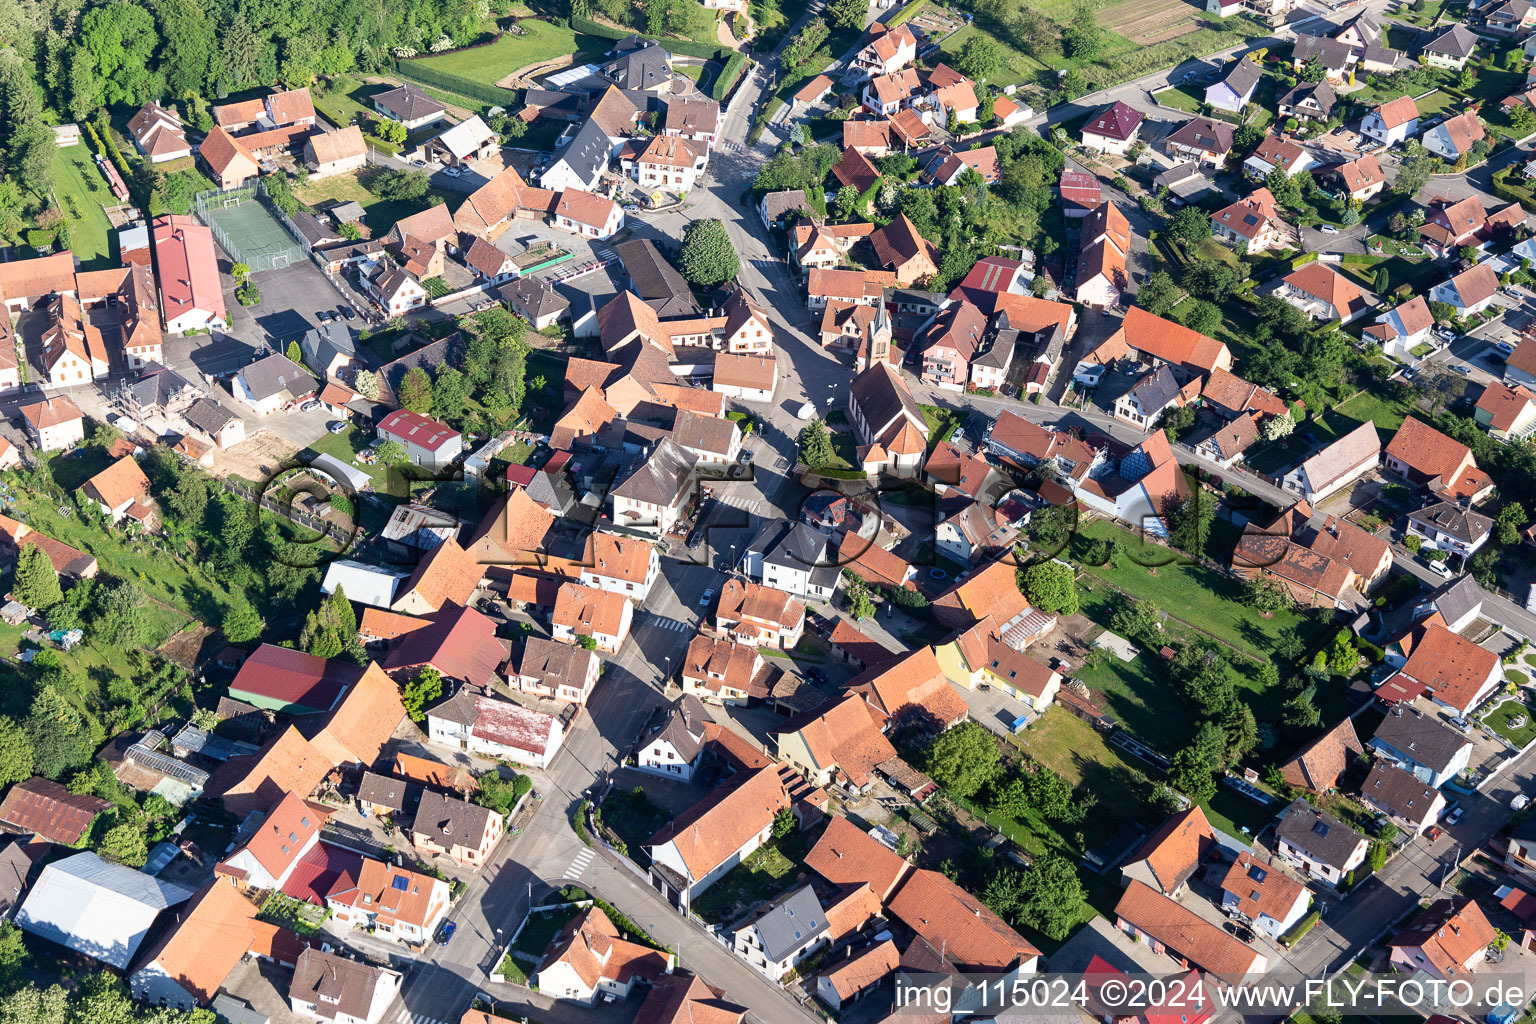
point(1449, 517)
point(533, 297)
point(346, 213)
point(314, 230)
point(1157, 390)
point(655, 280)
point(1320, 91)
point(917, 297)
point(1242, 75)
point(461, 709)
point(1365, 22)
point(551, 491)
point(328, 342)
point(93, 907)
point(450, 821)
point(158, 386)
point(1330, 52)
point(881, 396)
point(685, 726)
point(1424, 738)
point(408, 103)
point(277, 374)
point(1458, 42)
point(17, 870)
point(428, 357)
point(1318, 833)
point(334, 984)
point(1358, 446)
point(664, 476)
point(1384, 55)
point(237, 1011)
point(789, 923)
point(554, 664)
point(703, 433)
point(386, 791)
point(791, 544)
point(777, 204)
point(1398, 792)
point(643, 68)
point(1459, 598)
point(588, 152)
point(208, 416)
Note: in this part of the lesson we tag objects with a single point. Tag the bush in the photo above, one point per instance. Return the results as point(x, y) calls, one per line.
point(579, 822)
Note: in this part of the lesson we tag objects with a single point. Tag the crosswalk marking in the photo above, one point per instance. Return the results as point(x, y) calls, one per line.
point(672, 624)
point(579, 864)
point(407, 1017)
point(741, 501)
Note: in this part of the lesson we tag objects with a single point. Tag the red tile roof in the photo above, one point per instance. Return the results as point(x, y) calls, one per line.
point(290, 677)
point(847, 855)
point(1187, 935)
point(1175, 850)
point(1451, 666)
point(951, 919)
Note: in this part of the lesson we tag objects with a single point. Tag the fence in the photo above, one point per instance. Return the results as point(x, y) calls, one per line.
point(265, 254)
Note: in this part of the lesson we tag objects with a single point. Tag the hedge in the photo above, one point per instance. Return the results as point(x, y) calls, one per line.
point(727, 78)
point(1300, 929)
point(1303, 260)
point(905, 13)
point(686, 47)
point(425, 75)
point(1512, 195)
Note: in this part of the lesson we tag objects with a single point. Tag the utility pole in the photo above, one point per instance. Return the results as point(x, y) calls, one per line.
point(1444, 874)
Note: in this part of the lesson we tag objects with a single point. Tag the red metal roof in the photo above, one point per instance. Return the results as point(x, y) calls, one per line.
point(414, 428)
point(293, 677)
point(317, 875)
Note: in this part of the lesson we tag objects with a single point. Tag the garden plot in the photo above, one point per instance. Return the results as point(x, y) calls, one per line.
point(1145, 22)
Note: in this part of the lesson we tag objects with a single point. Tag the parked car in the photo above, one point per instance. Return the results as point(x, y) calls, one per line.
point(1439, 569)
point(1504, 346)
point(1455, 815)
point(746, 458)
point(309, 406)
point(336, 427)
point(346, 311)
point(631, 208)
point(324, 316)
point(1446, 334)
point(1461, 368)
point(706, 597)
point(446, 932)
point(1328, 229)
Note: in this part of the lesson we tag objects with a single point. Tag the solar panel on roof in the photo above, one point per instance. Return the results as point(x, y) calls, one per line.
point(400, 882)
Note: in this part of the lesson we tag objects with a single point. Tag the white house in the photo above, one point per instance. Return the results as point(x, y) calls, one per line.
point(1412, 804)
point(1454, 137)
point(622, 565)
point(391, 901)
point(1451, 527)
point(1403, 328)
point(337, 989)
point(1269, 900)
point(557, 671)
point(778, 936)
point(1393, 122)
point(696, 849)
point(793, 558)
point(671, 162)
point(1338, 465)
point(289, 831)
point(1422, 744)
point(1470, 291)
point(588, 215)
point(497, 728)
point(393, 288)
point(1113, 129)
point(591, 958)
point(675, 749)
point(273, 383)
point(1319, 844)
point(581, 611)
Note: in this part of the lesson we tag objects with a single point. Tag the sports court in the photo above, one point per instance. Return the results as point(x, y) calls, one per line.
point(248, 231)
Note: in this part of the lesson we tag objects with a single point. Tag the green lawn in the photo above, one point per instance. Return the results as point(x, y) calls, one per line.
point(692, 71)
point(1189, 98)
point(762, 876)
point(1420, 275)
point(490, 64)
point(1385, 410)
point(82, 193)
point(1498, 721)
point(545, 399)
point(1015, 68)
point(381, 213)
point(942, 422)
point(345, 447)
point(167, 577)
point(540, 929)
point(634, 819)
point(1194, 593)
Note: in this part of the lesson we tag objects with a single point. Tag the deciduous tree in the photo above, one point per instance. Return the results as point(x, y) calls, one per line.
point(963, 759)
